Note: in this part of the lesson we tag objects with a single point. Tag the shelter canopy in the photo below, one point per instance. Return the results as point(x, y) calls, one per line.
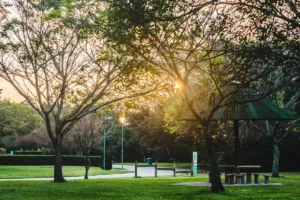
point(256, 110)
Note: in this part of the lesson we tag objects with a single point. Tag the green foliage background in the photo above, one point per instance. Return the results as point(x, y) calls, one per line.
point(17, 119)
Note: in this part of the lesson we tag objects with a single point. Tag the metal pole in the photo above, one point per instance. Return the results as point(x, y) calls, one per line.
point(104, 144)
point(122, 157)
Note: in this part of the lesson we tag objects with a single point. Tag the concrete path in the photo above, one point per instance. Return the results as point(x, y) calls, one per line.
point(142, 172)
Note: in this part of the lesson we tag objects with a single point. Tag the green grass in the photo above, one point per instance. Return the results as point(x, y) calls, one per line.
point(145, 188)
point(8, 172)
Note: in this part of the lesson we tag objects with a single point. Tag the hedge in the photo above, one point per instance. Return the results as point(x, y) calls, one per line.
point(47, 160)
point(28, 152)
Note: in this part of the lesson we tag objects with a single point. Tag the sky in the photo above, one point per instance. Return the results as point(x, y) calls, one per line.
point(9, 92)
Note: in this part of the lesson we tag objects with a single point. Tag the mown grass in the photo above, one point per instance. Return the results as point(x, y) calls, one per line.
point(145, 188)
point(8, 172)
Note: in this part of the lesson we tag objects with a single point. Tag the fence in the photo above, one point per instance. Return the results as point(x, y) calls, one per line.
point(156, 168)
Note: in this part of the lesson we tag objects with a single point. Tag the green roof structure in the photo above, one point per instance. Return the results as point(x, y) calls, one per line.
point(256, 110)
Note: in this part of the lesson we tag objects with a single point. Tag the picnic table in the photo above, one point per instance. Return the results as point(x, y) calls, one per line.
point(249, 170)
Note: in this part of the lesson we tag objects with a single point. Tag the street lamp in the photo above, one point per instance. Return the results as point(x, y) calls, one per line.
point(105, 118)
point(122, 121)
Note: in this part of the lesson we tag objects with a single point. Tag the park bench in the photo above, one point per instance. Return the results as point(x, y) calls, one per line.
point(266, 177)
point(240, 178)
point(230, 178)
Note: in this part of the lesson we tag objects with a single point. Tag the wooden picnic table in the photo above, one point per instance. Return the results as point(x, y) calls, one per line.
point(248, 169)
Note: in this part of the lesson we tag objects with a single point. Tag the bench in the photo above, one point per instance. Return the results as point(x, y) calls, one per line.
point(266, 177)
point(256, 177)
point(240, 178)
point(230, 178)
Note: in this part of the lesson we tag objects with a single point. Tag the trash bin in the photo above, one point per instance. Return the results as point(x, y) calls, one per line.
point(108, 163)
point(149, 161)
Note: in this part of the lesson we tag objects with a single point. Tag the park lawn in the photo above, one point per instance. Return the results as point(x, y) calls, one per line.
point(10, 172)
point(145, 188)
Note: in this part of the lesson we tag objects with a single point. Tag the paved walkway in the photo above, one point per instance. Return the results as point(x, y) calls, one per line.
point(142, 172)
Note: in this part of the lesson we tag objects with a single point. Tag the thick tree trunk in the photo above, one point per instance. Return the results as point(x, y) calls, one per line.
point(236, 137)
point(275, 170)
point(58, 174)
point(216, 183)
point(87, 165)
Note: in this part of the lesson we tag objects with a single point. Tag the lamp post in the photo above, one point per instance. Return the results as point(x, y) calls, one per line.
point(105, 118)
point(122, 121)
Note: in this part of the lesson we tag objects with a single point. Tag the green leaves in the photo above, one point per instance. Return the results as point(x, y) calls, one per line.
point(131, 20)
point(17, 119)
point(53, 14)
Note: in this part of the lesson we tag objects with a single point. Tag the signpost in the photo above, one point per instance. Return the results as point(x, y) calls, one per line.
point(195, 163)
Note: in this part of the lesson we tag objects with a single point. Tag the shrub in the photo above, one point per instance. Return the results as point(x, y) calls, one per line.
point(47, 151)
point(28, 152)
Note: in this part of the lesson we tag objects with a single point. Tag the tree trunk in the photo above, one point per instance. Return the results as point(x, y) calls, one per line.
point(275, 170)
point(144, 157)
point(58, 174)
point(216, 183)
point(87, 165)
point(236, 137)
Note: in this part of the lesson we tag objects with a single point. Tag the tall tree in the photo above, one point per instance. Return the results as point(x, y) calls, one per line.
point(48, 56)
point(189, 42)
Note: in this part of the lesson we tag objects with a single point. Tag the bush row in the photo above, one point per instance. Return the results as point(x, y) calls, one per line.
point(47, 160)
point(29, 152)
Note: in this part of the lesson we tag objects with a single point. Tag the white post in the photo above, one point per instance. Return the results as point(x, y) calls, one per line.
point(195, 163)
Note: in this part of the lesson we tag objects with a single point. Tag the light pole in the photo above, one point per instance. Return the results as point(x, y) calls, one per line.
point(122, 121)
point(105, 118)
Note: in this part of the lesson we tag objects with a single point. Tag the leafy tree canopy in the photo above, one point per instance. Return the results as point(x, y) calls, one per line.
point(17, 119)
